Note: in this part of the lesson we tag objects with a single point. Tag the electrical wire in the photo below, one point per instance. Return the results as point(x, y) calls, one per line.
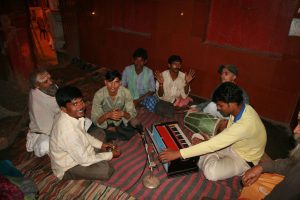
point(146, 161)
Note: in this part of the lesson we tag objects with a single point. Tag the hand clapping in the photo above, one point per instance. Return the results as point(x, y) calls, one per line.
point(190, 76)
point(159, 77)
point(115, 114)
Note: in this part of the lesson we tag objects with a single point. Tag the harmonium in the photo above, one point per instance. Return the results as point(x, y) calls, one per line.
point(169, 135)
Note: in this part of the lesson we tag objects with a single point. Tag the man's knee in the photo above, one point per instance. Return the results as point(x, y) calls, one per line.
point(164, 109)
point(209, 165)
point(106, 170)
point(97, 133)
point(134, 122)
point(109, 173)
point(211, 174)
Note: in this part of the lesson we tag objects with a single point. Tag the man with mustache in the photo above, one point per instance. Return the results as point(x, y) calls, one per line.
point(172, 85)
point(288, 188)
point(228, 73)
point(139, 79)
point(113, 109)
point(234, 150)
point(42, 110)
point(72, 149)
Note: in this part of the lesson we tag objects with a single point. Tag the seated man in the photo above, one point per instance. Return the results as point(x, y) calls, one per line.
point(288, 188)
point(113, 108)
point(139, 79)
point(172, 85)
point(42, 110)
point(72, 151)
point(236, 148)
point(228, 73)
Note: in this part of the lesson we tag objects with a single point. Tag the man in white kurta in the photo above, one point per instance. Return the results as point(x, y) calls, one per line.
point(72, 149)
point(42, 110)
point(71, 145)
point(172, 88)
point(172, 85)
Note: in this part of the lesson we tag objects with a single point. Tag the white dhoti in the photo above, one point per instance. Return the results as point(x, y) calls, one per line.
point(222, 164)
point(38, 143)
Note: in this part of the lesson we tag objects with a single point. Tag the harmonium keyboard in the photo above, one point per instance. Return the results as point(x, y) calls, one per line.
point(169, 135)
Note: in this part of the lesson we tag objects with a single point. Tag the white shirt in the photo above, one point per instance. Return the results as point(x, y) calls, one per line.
point(71, 145)
point(172, 89)
point(42, 111)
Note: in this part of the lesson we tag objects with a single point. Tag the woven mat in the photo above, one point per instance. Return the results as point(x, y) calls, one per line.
point(126, 182)
point(193, 186)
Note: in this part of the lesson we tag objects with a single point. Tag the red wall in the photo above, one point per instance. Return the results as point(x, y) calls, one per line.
point(271, 77)
point(256, 25)
point(15, 33)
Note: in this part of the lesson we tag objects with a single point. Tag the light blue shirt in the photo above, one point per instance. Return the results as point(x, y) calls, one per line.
point(138, 84)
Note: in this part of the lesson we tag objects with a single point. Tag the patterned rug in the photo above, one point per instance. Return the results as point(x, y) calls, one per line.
point(126, 182)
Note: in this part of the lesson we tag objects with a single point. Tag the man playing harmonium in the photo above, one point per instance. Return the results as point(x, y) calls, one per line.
point(235, 149)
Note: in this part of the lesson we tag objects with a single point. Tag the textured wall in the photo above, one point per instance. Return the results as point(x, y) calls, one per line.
point(269, 71)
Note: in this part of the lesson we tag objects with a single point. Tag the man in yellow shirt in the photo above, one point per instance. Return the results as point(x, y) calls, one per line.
point(236, 148)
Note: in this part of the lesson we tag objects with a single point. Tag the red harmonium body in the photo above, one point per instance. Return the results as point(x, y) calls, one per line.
point(169, 135)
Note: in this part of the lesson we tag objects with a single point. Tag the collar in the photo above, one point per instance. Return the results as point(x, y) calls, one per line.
point(106, 92)
point(141, 70)
point(239, 115)
point(73, 120)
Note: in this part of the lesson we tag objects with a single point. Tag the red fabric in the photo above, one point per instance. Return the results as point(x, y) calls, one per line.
point(8, 190)
point(181, 102)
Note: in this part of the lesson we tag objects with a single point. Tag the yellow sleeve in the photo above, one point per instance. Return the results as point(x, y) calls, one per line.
point(224, 139)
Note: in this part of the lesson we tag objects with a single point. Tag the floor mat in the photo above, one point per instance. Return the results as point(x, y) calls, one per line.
point(125, 182)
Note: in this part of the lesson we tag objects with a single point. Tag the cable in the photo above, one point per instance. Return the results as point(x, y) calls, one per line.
point(146, 161)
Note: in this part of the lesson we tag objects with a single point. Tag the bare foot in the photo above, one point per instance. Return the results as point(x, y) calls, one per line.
point(112, 129)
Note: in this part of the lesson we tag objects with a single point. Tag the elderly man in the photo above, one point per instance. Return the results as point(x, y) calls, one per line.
point(72, 149)
point(42, 110)
point(288, 188)
point(235, 149)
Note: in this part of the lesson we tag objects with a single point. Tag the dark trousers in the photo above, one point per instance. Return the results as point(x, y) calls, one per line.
point(123, 132)
point(97, 133)
point(164, 109)
point(98, 171)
